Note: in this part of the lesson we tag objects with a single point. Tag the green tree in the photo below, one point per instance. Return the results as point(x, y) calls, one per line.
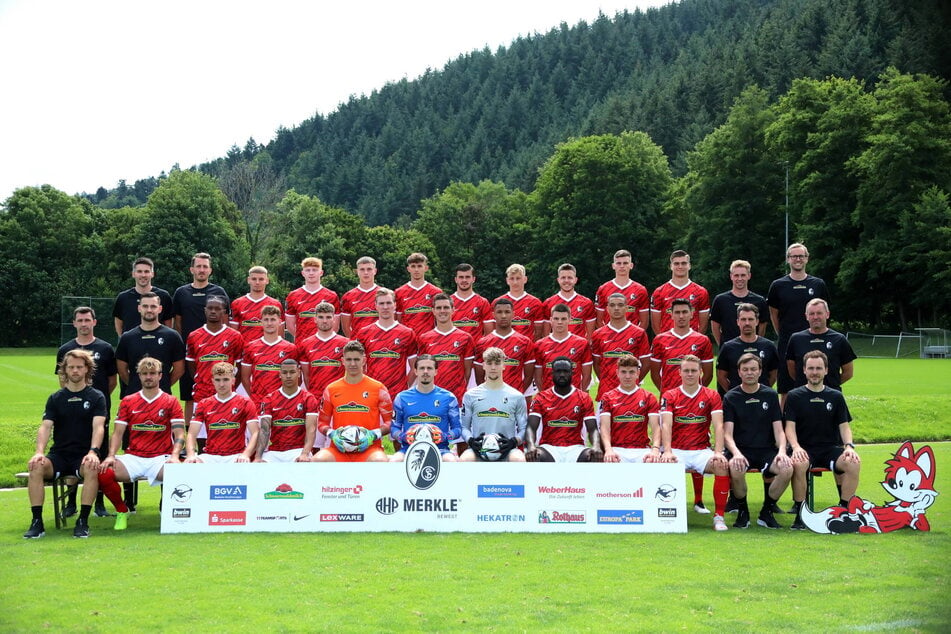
point(485, 225)
point(908, 151)
point(925, 236)
point(596, 195)
point(390, 246)
point(50, 247)
point(186, 214)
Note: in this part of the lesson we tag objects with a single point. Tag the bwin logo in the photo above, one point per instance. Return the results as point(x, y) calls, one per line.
point(422, 464)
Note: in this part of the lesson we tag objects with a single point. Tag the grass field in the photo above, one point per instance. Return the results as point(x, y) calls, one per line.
point(741, 580)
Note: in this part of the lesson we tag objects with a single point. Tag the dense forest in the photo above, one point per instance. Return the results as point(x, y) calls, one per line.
point(686, 126)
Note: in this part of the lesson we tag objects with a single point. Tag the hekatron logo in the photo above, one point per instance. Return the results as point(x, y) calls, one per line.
point(501, 490)
point(181, 493)
point(387, 506)
point(422, 464)
point(666, 493)
point(627, 517)
point(505, 517)
point(181, 513)
point(561, 517)
point(228, 492)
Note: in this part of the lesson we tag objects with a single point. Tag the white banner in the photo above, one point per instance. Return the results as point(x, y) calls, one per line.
point(469, 497)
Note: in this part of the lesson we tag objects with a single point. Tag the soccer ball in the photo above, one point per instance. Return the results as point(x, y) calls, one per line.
point(424, 431)
point(351, 439)
point(490, 450)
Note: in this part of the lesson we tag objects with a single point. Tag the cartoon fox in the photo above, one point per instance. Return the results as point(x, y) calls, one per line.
point(909, 478)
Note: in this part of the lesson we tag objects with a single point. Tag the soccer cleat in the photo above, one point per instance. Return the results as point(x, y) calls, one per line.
point(792, 509)
point(766, 519)
point(122, 521)
point(718, 524)
point(700, 508)
point(81, 529)
point(35, 531)
point(774, 508)
point(131, 507)
point(68, 511)
point(731, 504)
point(798, 525)
point(101, 511)
point(742, 519)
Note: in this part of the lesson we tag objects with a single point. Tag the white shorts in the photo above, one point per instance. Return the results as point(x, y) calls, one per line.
point(564, 454)
point(281, 456)
point(695, 459)
point(631, 454)
point(320, 441)
point(139, 467)
point(210, 458)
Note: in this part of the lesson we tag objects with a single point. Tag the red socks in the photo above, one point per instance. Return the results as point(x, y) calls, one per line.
point(110, 488)
point(697, 488)
point(721, 491)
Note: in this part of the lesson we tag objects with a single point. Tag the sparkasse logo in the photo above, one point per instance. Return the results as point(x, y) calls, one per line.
point(226, 518)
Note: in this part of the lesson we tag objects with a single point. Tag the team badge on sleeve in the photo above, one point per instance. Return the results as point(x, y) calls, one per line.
point(909, 478)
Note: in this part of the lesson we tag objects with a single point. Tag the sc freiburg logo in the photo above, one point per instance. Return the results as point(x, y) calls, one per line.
point(422, 464)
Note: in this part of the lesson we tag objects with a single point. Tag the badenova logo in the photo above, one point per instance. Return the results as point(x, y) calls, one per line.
point(501, 490)
point(228, 492)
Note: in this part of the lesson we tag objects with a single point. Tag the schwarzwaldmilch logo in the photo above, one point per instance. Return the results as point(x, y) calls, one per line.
point(422, 464)
point(283, 492)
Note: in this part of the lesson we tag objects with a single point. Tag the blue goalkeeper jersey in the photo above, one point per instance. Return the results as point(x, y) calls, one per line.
point(439, 407)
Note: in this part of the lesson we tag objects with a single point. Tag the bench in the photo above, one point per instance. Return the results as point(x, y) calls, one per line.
point(61, 487)
point(810, 489)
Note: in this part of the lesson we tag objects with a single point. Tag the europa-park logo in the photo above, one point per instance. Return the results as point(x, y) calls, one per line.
point(283, 492)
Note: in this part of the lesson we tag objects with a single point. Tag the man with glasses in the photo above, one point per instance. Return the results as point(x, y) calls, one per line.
point(787, 299)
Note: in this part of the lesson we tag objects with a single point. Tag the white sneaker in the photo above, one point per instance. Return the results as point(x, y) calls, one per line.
point(700, 508)
point(718, 523)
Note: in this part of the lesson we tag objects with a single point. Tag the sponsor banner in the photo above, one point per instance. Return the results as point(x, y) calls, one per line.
point(468, 497)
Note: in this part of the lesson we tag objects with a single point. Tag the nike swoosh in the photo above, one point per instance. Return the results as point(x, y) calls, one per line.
point(136, 411)
point(298, 518)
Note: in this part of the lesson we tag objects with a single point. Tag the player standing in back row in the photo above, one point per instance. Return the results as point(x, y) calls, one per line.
point(679, 287)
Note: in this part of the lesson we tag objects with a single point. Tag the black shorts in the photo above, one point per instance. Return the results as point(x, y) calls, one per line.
point(824, 457)
point(759, 459)
point(65, 464)
point(185, 386)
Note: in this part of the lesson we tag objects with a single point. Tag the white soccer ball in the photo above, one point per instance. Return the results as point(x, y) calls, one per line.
point(490, 448)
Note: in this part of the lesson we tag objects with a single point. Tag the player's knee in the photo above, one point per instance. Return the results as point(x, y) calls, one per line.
point(399, 456)
point(516, 455)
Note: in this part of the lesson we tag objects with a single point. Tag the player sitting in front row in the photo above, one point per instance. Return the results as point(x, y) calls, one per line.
point(687, 412)
point(567, 414)
point(226, 417)
point(152, 418)
point(627, 412)
point(355, 413)
point(288, 419)
point(426, 406)
point(493, 414)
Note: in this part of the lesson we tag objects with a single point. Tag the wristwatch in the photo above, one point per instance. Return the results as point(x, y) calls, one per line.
point(95, 450)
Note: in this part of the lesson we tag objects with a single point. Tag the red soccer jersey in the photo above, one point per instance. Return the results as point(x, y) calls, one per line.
point(666, 293)
point(414, 306)
point(323, 359)
point(608, 345)
point(527, 310)
point(518, 350)
point(638, 301)
point(582, 312)
point(150, 423)
point(226, 422)
point(388, 351)
point(205, 349)
point(469, 314)
point(301, 303)
point(246, 315)
point(360, 306)
point(630, 412)
point(669, 349)
point(450, 350)
point(265, 359)
point(692, 416)
point(562, 416)
point(547, 349)
point(289, 417)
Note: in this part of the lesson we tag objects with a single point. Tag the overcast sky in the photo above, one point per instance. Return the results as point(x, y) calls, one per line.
point(96, 91)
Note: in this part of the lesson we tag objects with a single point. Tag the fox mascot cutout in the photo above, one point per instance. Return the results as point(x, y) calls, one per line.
point(909, 478)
